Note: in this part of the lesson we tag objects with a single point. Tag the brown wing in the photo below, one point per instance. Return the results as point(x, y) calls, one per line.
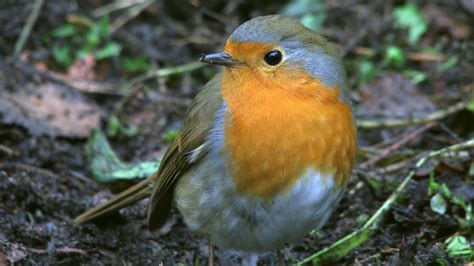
point(175, 162)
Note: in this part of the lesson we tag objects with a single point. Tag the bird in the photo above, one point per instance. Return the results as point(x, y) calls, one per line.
point(266, 148)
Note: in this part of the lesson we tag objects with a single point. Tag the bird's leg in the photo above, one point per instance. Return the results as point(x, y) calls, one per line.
point(211, 254)
point(280, 257)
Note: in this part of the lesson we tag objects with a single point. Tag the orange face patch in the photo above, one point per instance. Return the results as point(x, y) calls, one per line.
point(281, 123)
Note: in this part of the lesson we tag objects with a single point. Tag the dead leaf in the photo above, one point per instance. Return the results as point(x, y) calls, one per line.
point(393, 96)
point(49, 109)
point(83, 68)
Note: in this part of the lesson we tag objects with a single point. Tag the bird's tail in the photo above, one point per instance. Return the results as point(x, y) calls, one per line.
point(125, 198)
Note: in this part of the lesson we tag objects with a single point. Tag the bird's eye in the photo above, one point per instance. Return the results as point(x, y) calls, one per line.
point(273, 58)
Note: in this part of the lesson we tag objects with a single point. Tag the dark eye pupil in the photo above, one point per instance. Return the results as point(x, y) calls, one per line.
point(273, 58)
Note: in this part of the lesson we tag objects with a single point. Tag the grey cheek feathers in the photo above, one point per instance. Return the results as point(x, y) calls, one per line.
point(215, 141)
point(320, 65)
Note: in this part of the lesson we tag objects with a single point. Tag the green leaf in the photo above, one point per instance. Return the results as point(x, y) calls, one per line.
point(366, 71)
point(64, 31)
point(101, 159)
point(113, 126)
point(409, 17)
point(458, 246)
point(103, 26)
point(469, 213)
point(132, 171)
point(432, 184)
point(445, 191)
point(452, 61)
point(170, 136)
point(470, 106)
point(62, 55)
point(362, 219)
point(106, 166)
point(438, 204)
point(394, 56)
point(111, 49)
point(415, 76)
point(374, 183)
point(81, 53)
point(139, 64)
point(98, 32)
point(129, 131)
point(440, 262)
point(311, 13)
point(93, 38)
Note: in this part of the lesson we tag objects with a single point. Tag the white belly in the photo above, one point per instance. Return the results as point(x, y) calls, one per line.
point(208, 201)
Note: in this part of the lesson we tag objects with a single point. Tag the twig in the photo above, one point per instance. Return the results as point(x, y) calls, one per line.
point(163, 72)
point(69, 250)
point(80, 20)
point(114, 6)
point(8, 151)
point(20, 43)
point(87, 86)
point(423, 57)
point(135, 89)
point(27, 168)
point(438, 115)
point(391, 168)
point(450, 133)
point(130, 14)
point(397, 145)
point(345, 245)
point(177, 69)
point(60, 250)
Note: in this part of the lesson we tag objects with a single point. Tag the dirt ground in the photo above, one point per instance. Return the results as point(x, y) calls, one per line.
point(45, 182)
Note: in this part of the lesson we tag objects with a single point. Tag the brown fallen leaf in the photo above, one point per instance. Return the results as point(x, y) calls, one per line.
point(49, 109)
point(83, 68)
point(393, 96)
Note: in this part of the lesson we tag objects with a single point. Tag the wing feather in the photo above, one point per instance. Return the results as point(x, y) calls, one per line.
point(199, 121)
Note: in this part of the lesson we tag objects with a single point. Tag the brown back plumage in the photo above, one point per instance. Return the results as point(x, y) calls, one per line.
point(199, 120)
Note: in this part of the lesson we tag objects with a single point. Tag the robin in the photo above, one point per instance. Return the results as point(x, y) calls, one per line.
point(266, 148)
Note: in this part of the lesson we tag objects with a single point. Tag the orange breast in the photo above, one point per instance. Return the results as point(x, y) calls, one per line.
point(276, 128)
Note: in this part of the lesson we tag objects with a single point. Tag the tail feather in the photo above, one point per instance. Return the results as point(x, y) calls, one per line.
point(125, 198)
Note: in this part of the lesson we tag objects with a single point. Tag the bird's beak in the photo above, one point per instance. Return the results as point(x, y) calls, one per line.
point(222, 59)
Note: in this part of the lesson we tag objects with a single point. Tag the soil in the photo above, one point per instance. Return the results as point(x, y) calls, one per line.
point(45, 183)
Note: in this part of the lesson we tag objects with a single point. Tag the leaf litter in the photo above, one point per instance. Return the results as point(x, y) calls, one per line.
point(50, 109)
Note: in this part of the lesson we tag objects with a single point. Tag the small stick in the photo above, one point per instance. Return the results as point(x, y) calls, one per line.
point(25, 32)
point(69, 250)
point(391, 168)
point(114, 6)
point(422, 57)
point(397, 145)
point(134, 88)
point(8, 151)
point(438, 115)
point(130, 14)
point(27, 168)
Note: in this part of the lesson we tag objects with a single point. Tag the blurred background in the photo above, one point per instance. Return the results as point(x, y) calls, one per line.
point(119, 75)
